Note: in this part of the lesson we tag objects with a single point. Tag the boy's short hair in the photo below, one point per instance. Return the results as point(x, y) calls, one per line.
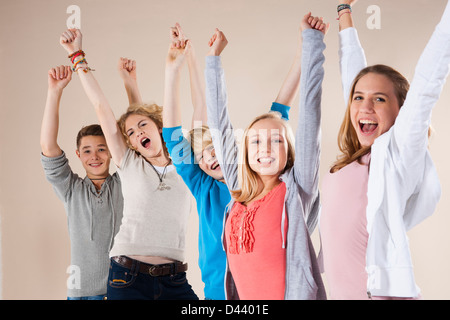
point(91, 130)
point(200, 139)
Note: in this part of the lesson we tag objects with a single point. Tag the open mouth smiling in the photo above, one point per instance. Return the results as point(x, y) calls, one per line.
point(215, 165)
point(367, 127)
point(266, 160)
point(95, 165)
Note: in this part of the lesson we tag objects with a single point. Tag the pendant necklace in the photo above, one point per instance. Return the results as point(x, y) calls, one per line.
point(162, 186)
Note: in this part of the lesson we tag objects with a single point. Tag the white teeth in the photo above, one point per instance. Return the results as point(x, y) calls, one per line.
point(214, 165)
point(265, 160)
point(144, 140)
point(367, 122)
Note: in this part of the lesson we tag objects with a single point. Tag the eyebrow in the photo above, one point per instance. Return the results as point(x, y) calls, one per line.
point(137, 124)
point(271, 135)
point(375, 93)
point(99, 145)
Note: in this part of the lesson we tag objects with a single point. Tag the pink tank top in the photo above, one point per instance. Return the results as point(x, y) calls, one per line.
point(343, 230)
point(256, 257)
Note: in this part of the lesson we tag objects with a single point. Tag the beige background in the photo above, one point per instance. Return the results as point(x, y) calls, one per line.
point(262, 39)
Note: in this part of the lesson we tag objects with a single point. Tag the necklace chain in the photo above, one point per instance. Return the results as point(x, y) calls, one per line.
point(162, 186)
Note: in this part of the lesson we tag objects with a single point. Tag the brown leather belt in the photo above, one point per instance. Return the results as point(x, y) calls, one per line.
point(155, 270)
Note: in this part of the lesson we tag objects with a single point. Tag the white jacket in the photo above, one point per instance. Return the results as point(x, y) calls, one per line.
point(403, 187)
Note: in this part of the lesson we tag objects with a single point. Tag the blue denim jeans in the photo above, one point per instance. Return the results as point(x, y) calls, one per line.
point(128, 284)
point(99, 297)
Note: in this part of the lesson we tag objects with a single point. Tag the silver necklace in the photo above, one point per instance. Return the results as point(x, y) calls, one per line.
point(162, 185)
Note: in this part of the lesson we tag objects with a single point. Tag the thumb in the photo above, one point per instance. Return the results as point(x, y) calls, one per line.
point(187, 47)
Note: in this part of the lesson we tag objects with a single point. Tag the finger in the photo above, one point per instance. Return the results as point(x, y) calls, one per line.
point(52, 73)
point(69, 70)
point(64, 38)
point(123, 63)
point(180, 31)
point(173, 32)
point(76, 33)
point(62, 72)
point(133, 65)
point(70, 34)
point(56, 73)
point(212, 39)
point(187, 47)
point(130, 65)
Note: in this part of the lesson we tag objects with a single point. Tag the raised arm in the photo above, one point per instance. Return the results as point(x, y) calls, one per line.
point(71, 41)
point(58, 78)
point(352, 58)
point(197, 85)
point(345, 14)
point(127, 71)
point(413, 121)
point(307, 139)
point(218, 119)
point(176, 58)
point(291, 84)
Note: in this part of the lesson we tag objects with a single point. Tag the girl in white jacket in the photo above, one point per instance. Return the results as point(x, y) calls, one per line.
point(384, 182)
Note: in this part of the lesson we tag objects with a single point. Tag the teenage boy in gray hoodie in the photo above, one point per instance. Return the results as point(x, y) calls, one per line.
point(93, 205)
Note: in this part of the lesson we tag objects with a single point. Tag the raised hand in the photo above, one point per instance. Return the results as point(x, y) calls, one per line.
point(127, 69)
point(177, 37)
point(311, 22)
point(59, 77)
point(217, 43)
point(71, 40)
point(178, 50)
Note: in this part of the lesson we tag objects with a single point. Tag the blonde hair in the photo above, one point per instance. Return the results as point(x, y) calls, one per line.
point(200, 138)
point(248, 179)
point(348, 141)
point(152, 111)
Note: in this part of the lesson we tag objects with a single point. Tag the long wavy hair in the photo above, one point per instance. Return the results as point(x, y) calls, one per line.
point(348, 143)
point(249, 179)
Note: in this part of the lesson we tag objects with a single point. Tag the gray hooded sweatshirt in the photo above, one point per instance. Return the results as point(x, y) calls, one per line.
point(303, 278)
point(93, 220)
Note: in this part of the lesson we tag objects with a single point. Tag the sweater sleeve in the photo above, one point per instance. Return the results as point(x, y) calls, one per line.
point(307, 139)
point(59, 174)
point(219, 121)
point(352, 59)
point(410, 132)
point(183, 159)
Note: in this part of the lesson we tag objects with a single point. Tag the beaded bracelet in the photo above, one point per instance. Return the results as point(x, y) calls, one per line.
point(343, 7)
point(81, 55)
point(76, 52)
point(74, 68)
